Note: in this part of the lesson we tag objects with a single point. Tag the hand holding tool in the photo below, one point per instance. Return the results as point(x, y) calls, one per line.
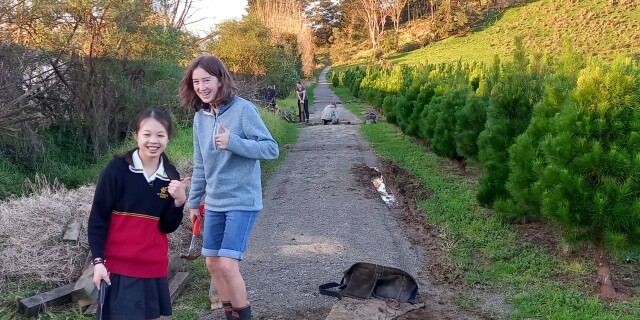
point(191, 255)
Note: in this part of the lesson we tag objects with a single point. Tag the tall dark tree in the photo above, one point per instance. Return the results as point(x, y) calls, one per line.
point(285, 18)
point(323, 16)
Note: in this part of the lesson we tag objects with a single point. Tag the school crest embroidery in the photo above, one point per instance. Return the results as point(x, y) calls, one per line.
point(163, 193)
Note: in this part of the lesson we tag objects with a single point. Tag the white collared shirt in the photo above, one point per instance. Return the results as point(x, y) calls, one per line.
point(137, 167)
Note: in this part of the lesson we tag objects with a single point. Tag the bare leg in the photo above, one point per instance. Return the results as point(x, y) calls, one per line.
point(213, 265)
point(236, 291)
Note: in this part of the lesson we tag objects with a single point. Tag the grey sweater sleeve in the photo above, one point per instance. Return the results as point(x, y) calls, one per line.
point(259, 143)
point(198, 182)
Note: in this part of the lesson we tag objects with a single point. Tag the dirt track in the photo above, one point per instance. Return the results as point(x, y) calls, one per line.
point(321, 214)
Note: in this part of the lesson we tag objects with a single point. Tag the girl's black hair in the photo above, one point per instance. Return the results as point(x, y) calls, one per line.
point(158, 115)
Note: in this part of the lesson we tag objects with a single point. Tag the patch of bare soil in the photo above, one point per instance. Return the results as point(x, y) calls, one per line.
point(624, 273)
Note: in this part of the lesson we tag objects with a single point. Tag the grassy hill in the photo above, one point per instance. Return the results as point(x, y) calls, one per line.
point(593, 26)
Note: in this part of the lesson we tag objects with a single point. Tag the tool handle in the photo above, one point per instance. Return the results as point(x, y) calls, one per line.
point(196, 224)
point(196, 227)
point(103, 291)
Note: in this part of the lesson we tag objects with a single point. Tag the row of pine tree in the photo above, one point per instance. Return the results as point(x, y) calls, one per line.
point(558, 138)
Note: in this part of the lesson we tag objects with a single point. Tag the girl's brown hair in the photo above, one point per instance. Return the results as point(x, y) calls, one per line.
point(213, 66)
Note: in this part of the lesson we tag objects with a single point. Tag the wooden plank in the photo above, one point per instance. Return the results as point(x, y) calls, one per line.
point(32, 306)
point(177, 284)
point(84, 288)
point(72, 231)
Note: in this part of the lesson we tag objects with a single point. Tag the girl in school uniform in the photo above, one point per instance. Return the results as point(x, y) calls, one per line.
point(138, 200)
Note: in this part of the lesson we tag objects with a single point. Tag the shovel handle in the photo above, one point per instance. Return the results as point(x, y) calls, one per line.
point(196, 224)
point(196, 227)
point(103, 290)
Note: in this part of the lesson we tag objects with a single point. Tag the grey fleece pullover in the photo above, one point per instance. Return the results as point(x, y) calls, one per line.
point(230, 177)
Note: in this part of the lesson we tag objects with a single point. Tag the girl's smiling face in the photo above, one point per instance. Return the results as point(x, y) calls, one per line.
point(205, 85)
point(152, 138)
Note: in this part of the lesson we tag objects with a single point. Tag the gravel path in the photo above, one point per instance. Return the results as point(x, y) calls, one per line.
point(318, 220)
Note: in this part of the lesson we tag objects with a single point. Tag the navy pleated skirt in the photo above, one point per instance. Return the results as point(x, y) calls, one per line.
point(136, 298)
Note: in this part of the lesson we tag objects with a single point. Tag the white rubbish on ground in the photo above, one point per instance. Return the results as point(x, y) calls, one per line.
point(386, 196)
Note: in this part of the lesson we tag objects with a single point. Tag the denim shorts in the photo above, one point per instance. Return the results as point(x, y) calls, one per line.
point(226, 233)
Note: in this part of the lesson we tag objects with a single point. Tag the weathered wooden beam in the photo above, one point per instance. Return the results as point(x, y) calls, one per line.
point(84, 288)
point(177, 284)
point(32, 306)
point(84, 302)
point(72, 231)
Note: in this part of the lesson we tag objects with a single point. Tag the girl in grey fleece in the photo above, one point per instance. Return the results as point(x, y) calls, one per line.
point(231, 176)
point(229, 140)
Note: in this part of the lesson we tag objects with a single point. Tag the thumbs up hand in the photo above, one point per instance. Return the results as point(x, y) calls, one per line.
point(177, 190)
point(222, 138)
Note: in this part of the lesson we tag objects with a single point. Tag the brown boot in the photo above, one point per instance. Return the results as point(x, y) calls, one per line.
point(243, 313)
point(228, 309)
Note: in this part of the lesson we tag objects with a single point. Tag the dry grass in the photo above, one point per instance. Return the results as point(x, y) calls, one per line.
point(31, 230)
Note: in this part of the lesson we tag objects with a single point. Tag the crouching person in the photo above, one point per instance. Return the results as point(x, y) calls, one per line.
point(330, 114)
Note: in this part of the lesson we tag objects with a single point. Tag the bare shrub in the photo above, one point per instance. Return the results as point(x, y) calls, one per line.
point(17, 89)
point(249, 87)
point(286, 17)
point(40, 185)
